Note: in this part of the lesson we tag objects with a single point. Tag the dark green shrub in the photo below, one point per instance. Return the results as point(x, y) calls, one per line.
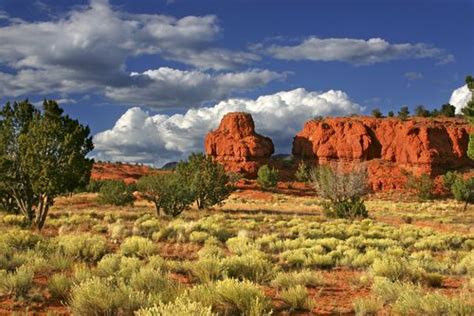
point(376, 113)
point(115, 192)
point(463, 190)
point(344, 192)
point(94, 186)
point(390, 114)
point(168, 192)
point(206, 178)
point(267, 177)
point(403, 113)
point(423, 186)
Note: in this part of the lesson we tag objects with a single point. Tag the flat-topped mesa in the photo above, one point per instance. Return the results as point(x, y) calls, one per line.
point(237, 146)
point(388, 146)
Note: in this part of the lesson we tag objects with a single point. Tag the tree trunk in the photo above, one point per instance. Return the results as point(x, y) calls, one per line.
point(43, 208)
point(158, 207)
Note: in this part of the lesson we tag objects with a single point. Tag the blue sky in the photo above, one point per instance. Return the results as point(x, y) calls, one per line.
point(132, 70)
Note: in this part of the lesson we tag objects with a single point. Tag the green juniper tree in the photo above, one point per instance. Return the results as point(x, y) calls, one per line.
point(206, 178)
point(42, 155)
point(167, 192)
point(468, 112)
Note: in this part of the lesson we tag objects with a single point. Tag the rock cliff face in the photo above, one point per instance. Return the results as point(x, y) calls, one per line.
point(387, 146)
point(236, 145)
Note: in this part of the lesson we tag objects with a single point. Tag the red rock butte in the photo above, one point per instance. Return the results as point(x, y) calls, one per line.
point(387, 146)
point(237, 146)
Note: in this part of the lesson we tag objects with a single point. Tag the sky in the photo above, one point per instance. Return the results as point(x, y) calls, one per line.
point(152, 77)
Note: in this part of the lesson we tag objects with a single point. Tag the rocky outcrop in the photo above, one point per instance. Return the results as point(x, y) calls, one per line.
point(237, 146)
point(387, 146)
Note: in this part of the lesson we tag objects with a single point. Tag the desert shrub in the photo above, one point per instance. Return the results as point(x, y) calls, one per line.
point(241, 245)
point(151, 281)
point(97, 296)
point(267, 177)
point(115, 192)
point(20, 239)
point(392, 268)
point(250, 266)
point(59, 286)
point(59, 261)
point(181, 306)
point(206, 269)
point(423, 186)
point(83, 246)
point(146, 225)
point(297, 298)
point(206, 178)
point(412, 301)
point(376, 113)
point(16, 283)
point(343, 190)
point(167, 191)
point(211, 251)
point(403, 113)
point(137, 246)
point(15, 220)
point(463, 190)
point(302, 174)
point(366, 306)
point(198, 237)
point(118, 230)
point(94, 186)
point(304, 277)
point(232, 297)
point(421, 111)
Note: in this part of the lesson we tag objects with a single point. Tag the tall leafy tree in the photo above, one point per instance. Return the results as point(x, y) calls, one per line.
point(468, 112)
point(43, 155)
point(206, 178)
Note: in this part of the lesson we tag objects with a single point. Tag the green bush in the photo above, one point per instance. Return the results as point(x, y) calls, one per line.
point(181, 306)
point(344, 192)
point(231, 297)
point(60, 285)
point(83, 247)
point(463, 190)
point(206, 178)
point(251, 267)
point(97, 296)
point(137, 246)
point(16, 283)
point(302, 174)
point(423, 186)
point(267, 177)
point(167, 191)
point(297, 298)
point(115, 192)
point(305, 277)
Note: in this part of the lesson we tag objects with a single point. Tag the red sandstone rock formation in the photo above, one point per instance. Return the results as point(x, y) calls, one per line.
point(388, 146)
point(236, 145)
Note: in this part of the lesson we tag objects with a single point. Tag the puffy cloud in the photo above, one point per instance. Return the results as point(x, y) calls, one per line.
point(87, 49)
point(355, 51)
point(166, 87)
point(460, 97)
point(156, 139)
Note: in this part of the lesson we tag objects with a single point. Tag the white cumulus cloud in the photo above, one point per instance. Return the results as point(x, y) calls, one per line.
point(156, 139)
point(460, 97)
point(355, 51)
point(167, 87)
point(86, 50)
